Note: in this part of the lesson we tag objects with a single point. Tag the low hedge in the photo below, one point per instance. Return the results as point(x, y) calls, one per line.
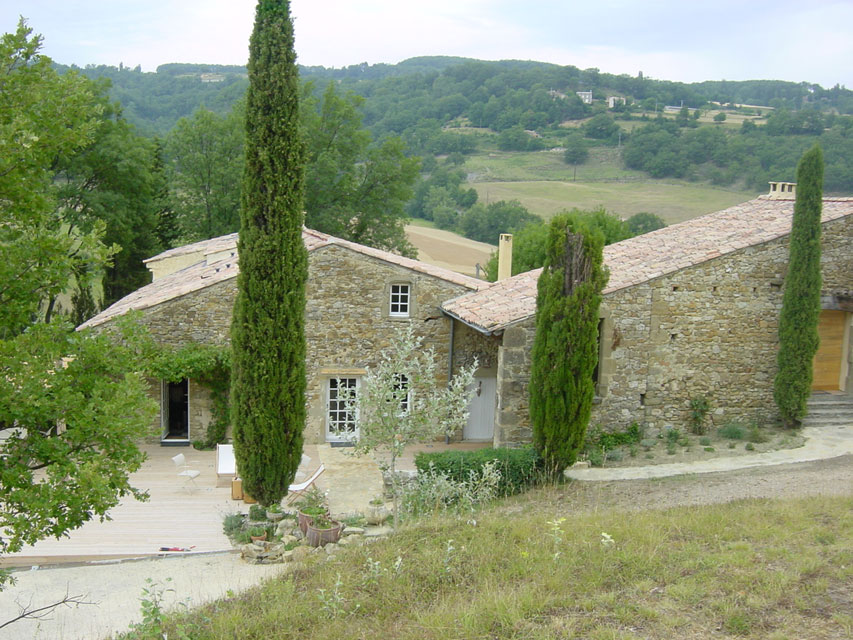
point(520, 468)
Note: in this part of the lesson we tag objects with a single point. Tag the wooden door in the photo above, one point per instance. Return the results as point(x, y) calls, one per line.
point(828, 359)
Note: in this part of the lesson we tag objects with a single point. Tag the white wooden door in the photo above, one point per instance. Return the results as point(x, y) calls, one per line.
point(481, 411)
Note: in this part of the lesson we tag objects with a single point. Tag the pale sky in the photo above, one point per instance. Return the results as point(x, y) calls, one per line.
point(802, 40)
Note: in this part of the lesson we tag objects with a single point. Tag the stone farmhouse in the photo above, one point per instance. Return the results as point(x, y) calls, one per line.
point(690, 310)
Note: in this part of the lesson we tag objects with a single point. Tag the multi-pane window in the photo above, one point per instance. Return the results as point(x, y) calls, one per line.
point(400, 300)
point(341, 416)
point(401, 391)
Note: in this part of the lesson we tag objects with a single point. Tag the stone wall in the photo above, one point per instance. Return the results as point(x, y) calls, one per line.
point(347, 324)
point(708, 330)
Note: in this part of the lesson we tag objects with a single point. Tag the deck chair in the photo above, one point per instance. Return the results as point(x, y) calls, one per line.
point(297, 489)
point(184, 471)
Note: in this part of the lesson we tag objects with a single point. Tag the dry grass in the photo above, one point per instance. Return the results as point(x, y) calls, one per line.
point(540, 566)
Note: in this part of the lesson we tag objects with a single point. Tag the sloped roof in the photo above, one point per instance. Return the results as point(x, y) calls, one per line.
point(206, 273)
point(647, 257)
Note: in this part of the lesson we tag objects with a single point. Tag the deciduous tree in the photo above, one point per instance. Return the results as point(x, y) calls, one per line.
point(268, 332)
point(798, 320)
point(565, 349)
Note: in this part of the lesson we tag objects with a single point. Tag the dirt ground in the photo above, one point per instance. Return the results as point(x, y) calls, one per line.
point(449, 250)
point(833, 477)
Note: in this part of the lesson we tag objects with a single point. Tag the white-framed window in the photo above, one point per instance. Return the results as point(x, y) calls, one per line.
point(402, 393)
point(400, 302)
point(341, 418)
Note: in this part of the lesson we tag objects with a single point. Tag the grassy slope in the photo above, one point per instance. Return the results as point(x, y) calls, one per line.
point(756, 569)
point(546, 185)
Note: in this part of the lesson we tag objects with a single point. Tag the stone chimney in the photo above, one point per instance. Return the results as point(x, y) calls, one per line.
point(782, 190)
point(504, 256)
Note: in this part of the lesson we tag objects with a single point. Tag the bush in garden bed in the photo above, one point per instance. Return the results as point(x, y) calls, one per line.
point(520, 468)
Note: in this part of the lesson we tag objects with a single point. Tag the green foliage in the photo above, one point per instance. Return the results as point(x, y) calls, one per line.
point(257, 513)
point(565, 349)
point(755, 435)
point(208, 365)
point(72, 406)
point(529, 244)
point(732, 431)
point(517, 139)
point(267, 332)
point(401, 402)
point(354, 188)
point(644, 222)
point(576, 150)
point(700, 406)
point(485, 223)
point(71, 413)
point(433, 491)
point(205, 158)
point(43, 117)
point(720, 117)
point(600, 127)
point(607, 440)
point(798, 320)
point(519, 468)
point(232, 524)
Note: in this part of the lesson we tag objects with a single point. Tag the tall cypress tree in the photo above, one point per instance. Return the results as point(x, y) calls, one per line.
point(565, 349)
point(268, 332)
point(798, 320)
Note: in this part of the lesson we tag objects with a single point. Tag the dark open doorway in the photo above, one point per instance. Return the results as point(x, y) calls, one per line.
point(176, 411)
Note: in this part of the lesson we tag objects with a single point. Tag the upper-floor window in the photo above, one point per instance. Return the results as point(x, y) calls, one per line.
point(400, 302)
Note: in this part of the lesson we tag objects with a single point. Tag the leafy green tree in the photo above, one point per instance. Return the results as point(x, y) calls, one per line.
point(205, 159)
point(600, 127)
point(399, 402)
point(576, 150)
point(486, 222)
point(70, 410)
point(355, 189)
point(798, 320)
point(268, 329)
point(565, 349)
point(644, 222)
point(720, 118)
point(114, 180)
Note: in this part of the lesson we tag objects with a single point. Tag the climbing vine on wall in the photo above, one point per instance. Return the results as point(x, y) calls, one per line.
point(208, 365)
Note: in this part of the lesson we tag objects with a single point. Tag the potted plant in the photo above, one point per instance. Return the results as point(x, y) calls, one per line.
point(258, 534)
point(274, 513)
point(312, 505)
point(323, 530)
point(377, 512)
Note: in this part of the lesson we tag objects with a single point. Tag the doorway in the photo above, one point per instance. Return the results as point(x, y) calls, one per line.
point(481, 410)
point(830, 363)
point(176, 412)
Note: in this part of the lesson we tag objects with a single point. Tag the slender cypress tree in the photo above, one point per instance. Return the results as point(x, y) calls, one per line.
point(565, 350)
point(798, 320)
point(268, 332)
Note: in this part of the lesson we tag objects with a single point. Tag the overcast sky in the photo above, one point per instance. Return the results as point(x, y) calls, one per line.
point(803, 40)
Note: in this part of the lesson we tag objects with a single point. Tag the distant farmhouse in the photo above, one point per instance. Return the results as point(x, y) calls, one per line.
point(585, 96)
point(690, 311)
point(612, 101)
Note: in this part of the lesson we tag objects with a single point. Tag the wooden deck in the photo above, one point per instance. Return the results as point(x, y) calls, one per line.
point(183, 515)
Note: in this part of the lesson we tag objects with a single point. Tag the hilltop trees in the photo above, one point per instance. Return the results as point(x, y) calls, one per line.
point(565, 349)
point(268, 332)
point(798, 320)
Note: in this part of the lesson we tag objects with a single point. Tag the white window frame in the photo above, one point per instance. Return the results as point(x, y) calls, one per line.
point(400, 296)
point(336, 412)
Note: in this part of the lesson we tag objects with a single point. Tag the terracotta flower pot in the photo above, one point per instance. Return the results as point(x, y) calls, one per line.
point(304, 519)
point(259, 538)
point(319, 537)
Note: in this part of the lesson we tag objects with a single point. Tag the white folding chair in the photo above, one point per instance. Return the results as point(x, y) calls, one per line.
point(299, 488)
point(184, 471)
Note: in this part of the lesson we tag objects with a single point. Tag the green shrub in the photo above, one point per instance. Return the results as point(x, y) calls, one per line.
point(731, 431)
point(608, 440)
point(700, 406)
point(673, 436)
point(705, 441)
point(749, 446)
point(257, 513)
point(232, 523)
point(519, 468)
point(756, 435)
point(648, 443)
point(595, 455)
point(433, 491)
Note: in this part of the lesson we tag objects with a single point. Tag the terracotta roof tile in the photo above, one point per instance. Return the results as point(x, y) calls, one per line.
point(646, 257)
point(206, 273)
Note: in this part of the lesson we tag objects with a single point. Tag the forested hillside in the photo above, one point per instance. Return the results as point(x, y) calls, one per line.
point(428, 136)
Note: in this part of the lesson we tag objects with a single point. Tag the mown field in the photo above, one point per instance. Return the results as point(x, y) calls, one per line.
point(546, 185)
